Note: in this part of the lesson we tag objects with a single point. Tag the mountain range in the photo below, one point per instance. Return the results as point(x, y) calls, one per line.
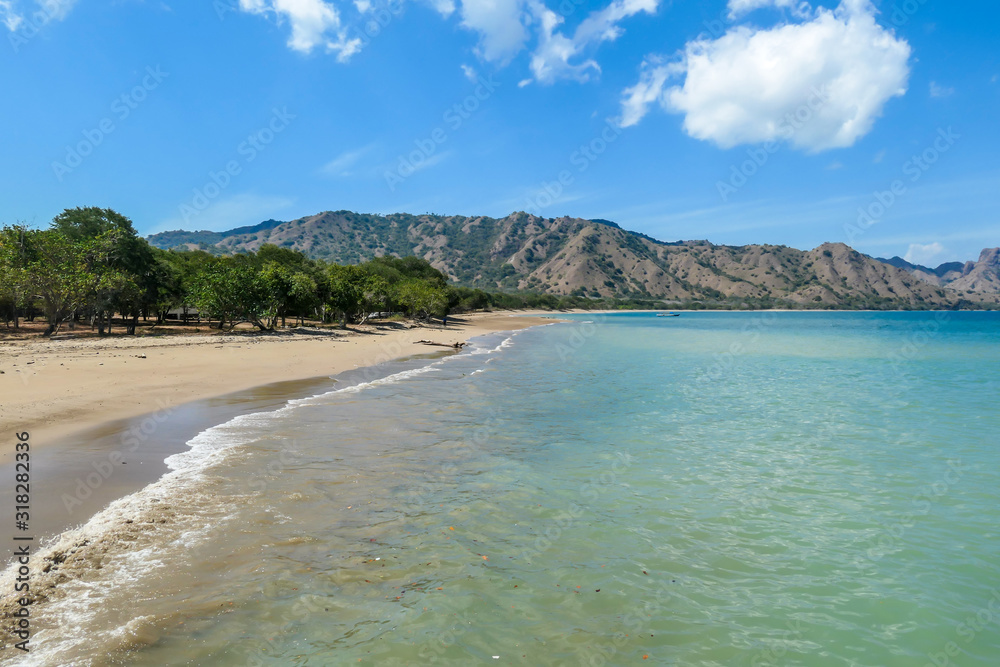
point(979, 276)
point(598, 258)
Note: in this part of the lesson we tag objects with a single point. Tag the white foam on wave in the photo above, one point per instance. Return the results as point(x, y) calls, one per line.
point(196, 513)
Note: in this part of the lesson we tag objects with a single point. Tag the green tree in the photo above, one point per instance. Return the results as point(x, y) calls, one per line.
point(345, 291)
point(59, 273)
point(125, 262)
point(421, 299)
point(234, 290)
point(15, 281)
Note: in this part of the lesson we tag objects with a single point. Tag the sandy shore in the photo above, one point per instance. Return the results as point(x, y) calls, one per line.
point(52, 388)
point(76, 396)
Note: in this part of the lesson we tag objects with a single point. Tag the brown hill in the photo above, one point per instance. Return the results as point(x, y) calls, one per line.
point(593, 258)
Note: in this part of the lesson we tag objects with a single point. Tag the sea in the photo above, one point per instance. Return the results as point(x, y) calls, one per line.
point(718, 488)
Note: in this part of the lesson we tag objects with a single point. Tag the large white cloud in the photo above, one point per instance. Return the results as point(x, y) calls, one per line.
point(818, 84)
point(314, 23)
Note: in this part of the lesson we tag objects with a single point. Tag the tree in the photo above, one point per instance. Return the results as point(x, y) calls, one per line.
point(125, 262)
point(234, 290)
point(421, 299)
point(59, 273)
point(345, 291)
point(15, 282)
point(293, 292)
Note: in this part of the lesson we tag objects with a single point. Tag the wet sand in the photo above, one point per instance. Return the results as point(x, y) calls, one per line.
point(114, 445)
point(54, 388)
point(94, 437)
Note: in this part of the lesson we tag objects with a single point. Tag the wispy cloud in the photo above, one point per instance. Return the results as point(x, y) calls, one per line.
point(40, 12)
point(937, 90)
point(924, 254)
point(314, 23)
point(342, 164)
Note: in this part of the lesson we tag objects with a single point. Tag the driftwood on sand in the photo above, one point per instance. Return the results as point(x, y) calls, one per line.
point(456, 346)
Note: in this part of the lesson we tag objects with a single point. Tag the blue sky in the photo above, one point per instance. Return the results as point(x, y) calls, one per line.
point(739, 121)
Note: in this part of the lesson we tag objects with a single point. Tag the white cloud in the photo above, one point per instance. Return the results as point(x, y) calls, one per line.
point(9, 16)
point(649, 89)
point(505, 27)
point(56, 9)
point(13, 12)
point(937, 90)
point(363, 6)
point(444, 7)
point(312, 22)
point(469, 72)
point(738, 8)
point(551, 60)
point(501, 27)
point(924, 254)
point(818, 84)
point(341, 165)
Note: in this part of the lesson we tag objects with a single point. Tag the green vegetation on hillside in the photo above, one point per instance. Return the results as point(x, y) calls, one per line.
point(595, 260)
point(90, 264)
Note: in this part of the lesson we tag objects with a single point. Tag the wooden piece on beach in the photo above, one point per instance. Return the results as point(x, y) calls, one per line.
point(456, 346)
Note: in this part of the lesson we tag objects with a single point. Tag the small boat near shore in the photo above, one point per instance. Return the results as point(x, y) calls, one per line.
point(668, 314)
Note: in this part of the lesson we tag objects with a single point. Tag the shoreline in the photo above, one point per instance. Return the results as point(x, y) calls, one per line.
point(64, 554)
point(82, 443)
point(58, 389)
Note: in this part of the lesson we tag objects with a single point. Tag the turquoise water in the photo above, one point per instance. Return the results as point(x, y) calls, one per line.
point(714, 489)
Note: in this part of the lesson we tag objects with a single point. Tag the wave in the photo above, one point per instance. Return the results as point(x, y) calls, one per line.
point(133, 537)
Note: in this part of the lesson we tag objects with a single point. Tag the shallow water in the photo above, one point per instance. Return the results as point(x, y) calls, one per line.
point(714, 489)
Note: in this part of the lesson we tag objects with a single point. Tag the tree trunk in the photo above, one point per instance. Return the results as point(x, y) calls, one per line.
point(130, 329)
point(343, 320)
